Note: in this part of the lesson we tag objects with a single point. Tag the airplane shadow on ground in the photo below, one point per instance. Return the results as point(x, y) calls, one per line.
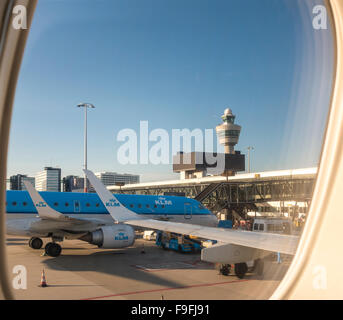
point(122, 263)
point(142, 267)
point(130, 263)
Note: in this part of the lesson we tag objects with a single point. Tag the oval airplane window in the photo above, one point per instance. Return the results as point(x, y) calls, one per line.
point(223, 102)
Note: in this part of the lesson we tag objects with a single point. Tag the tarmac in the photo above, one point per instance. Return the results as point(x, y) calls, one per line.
point(86, 272)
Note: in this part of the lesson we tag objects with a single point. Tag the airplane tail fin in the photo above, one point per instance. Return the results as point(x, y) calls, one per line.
point(44, 210)
point(118, 212)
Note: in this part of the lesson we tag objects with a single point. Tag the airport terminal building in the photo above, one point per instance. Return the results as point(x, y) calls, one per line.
point(114, 178)
point(16, 181)
point(49, 179)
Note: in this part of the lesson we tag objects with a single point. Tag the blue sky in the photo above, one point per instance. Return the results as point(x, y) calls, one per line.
point(177, 64)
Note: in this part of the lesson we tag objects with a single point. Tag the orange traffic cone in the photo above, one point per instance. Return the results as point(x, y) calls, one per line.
point(143, 249)
point(43, 283)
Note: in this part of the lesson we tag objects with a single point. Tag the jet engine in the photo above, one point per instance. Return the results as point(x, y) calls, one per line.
point(111, 237)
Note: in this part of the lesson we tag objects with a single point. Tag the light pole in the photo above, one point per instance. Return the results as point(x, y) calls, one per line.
point(249, 149)
point(86, 106)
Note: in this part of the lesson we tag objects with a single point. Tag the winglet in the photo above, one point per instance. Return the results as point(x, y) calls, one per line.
point(44, 211)
point(118, 212)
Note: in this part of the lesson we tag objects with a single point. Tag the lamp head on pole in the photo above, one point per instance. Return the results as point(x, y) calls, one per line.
point(85, 105)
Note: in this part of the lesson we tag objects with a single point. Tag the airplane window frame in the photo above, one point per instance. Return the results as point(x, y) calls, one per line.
point(316, 238)
point(12, 45)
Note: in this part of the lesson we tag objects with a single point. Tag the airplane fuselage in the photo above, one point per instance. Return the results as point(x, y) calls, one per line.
point(20, 208)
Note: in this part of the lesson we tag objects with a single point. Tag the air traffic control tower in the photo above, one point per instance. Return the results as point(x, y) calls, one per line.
point(194, 164)
point(228, 132)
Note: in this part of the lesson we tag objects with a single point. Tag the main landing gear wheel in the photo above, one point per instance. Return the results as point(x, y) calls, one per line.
point(241, 269)
point(53, 249)
point(225, 269)
point(35, 243)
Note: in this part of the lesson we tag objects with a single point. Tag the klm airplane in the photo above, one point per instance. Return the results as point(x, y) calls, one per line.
point(84, 216)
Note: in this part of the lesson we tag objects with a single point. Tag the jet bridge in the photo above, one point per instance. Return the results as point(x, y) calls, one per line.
point(239, 193)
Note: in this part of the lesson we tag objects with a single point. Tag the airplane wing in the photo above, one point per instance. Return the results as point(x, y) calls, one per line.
point(258, 240)
point(263, 241)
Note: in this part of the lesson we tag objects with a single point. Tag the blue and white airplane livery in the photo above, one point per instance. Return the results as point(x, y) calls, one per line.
point(67, 215)
point(89, 205)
